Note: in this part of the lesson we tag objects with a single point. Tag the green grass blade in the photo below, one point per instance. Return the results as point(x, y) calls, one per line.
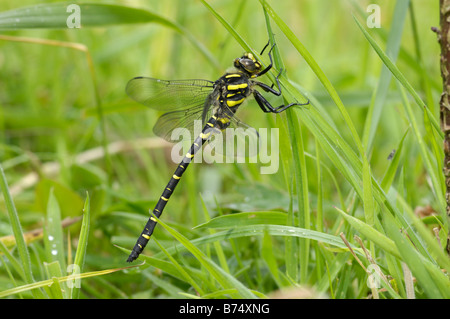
point(227, 26)
point(223, 278)
point(393, 165)
point(412, 258)
point(436, 146)
point(430, 241)
point(226, 292)
point(333, 270)
point(248, 218)
point(80, 255)
point(291, 244)
point(375, 236)
point(381, 91)
point(13, 261)
point(301, 180)
point(56, 16)
point(368, 201)
point(162, 283)
point(54, 240)
point(180, 269)
point(431, 169)
point(168, 267)
point(346, 161)
point(18, 233)
point(426, 84)
point(273, 230)
point(400, 77)
point(269, 257)
point(53, 271)
point(49, 282)
point(218, 248)
point(341, 158)
point(404, 82)
point(336, 148)
point(316, 69)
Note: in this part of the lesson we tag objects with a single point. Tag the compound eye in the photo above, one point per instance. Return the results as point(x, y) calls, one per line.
point(248, 64)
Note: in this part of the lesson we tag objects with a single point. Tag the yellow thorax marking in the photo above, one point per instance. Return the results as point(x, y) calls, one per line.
point(232, 87)
point(233, 75)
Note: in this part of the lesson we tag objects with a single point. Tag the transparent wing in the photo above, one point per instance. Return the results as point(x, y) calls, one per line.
point(188, 122)
point(188, 105)
point(169, 95)
point(238, 140)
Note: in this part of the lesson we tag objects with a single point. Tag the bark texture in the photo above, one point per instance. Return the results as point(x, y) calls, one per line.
point(444, 40)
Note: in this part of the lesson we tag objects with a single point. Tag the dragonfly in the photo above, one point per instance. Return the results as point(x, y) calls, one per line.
point(214, 103)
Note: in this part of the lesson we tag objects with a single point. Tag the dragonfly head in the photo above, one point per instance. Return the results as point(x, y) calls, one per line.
point(248, 64)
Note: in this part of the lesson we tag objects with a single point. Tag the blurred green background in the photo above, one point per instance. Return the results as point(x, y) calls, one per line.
point(56, 109)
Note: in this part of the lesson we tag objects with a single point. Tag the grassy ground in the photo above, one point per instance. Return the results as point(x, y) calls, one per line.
point(343, 216)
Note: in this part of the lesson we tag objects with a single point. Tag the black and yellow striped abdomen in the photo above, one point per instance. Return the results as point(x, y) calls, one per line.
point(161, 204)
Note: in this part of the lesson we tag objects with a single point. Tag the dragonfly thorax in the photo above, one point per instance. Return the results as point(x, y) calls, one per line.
point(233, 88)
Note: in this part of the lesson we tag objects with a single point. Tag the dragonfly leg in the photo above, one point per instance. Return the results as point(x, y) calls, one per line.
point(264, 104)
point(266, 107)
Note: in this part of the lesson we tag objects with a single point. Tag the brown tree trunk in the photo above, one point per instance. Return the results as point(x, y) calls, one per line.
point(444, 40)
